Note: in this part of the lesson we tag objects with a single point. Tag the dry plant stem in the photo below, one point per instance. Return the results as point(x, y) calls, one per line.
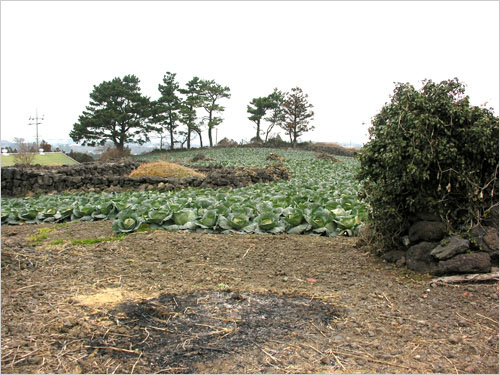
point(485, 317)
point(322, 334)
point(171, 369)
point(112, 348)
point(477, 277)
point(133, 367)
point(449, 360)
point(271, 356)
point(369, 359)
point(338, 361)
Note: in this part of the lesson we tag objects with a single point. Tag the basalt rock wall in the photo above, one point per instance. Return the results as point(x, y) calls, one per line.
point(18, 181)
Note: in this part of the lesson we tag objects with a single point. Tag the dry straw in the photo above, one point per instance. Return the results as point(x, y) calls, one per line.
point(164, 169)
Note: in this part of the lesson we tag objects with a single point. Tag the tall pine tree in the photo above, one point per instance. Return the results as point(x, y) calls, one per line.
point(277, 115)
point(257, 109)
point(211, 93)
point(298, 114)
point(117, 112)
point(168, 106)
point(191, 102)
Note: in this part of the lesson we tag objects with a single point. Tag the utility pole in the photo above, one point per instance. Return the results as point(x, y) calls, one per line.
point(37, 122)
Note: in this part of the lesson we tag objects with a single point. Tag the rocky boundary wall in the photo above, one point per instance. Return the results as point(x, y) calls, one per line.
point(113, 176)
point(429, 249)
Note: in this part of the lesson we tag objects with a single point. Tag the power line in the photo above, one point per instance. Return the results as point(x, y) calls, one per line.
point(37, 122)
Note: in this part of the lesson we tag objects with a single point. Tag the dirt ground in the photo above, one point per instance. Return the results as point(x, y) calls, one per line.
point(77, 300)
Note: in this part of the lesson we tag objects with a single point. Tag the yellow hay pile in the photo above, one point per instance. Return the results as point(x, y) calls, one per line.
point(164, 169)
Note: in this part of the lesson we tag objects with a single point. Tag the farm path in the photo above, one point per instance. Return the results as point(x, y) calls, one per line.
point(75, 299)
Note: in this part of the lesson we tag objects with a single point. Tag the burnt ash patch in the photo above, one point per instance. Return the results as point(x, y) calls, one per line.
point(178, 331)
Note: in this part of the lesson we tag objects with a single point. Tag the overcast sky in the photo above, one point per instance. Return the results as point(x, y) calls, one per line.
point(345, 55)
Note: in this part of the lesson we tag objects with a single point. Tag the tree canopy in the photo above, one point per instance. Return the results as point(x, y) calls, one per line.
point(167, 107)
point(257, 109)
point(117, 112)
point(211, 93)
point(297, 114)
point(277, 116)
point(430, 151)
point(191, 102)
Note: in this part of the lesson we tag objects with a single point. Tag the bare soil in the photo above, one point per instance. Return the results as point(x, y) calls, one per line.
point(161, 302)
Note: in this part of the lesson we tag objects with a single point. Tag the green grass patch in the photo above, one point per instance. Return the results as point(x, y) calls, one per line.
point(42, 234)
point(58, 241)
point(54, 158)
point(96, 240)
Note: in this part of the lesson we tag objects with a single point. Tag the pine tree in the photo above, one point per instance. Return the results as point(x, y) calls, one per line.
point(297, 113)
point(168, 106)
point(257, 109)
point(212, 92)
point(117, 112)
point(277, 115)
point(189, 105)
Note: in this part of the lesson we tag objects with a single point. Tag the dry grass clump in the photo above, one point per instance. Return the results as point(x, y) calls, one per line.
point(276, 157)
point(201, 157)
point(164, 169)
point(323, 156)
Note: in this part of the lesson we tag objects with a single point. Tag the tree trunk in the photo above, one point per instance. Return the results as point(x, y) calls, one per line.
point(189, 138)
point(171, 138)
point(201, 139)
point(210, 136)
point(210, 128)
point(258, 128)
point(268, 131)
point(122, 138)
point(119, 145)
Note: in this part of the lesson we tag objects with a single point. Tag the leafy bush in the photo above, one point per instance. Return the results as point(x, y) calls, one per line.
point(430, 151)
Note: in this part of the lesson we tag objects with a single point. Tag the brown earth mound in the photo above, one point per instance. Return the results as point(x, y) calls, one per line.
point(276, 157)
point(323, 156)
point(200, 157)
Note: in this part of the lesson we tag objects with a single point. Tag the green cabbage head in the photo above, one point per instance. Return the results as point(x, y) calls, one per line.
point(126, 222)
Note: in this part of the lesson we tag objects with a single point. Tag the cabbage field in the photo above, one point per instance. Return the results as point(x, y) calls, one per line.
point(319, 199)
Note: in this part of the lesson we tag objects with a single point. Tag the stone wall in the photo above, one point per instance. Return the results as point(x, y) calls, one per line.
point(431, 250)
point(18, 182)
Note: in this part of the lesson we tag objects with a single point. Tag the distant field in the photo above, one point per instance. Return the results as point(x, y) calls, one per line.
point(55, 158)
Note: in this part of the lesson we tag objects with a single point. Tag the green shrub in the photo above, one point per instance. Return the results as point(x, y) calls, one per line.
point(430, 151)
